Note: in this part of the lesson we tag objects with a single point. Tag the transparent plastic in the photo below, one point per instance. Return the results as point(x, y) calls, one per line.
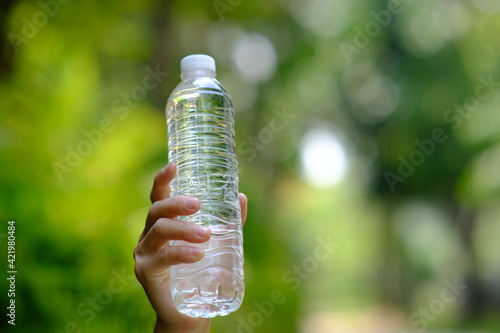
point(200, 120)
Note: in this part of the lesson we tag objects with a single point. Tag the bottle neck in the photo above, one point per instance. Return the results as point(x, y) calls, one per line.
point(197, 72)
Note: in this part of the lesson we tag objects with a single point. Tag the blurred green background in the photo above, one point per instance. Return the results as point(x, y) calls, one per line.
point(369, 146)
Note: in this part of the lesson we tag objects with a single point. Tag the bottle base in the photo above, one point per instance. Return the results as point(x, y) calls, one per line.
point(207, 308)
point(214, 285)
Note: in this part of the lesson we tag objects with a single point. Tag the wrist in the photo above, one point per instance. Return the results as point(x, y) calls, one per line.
point(161, 327)
point(201, 326)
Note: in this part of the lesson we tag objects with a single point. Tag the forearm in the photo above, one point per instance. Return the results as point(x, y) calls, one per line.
point(200, 327)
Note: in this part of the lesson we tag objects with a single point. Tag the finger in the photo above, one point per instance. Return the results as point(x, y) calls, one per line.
point(170, 208)
point(173, 255)
point(161, 184)
point(244, 207)
point(179, 205)
point(165, 230)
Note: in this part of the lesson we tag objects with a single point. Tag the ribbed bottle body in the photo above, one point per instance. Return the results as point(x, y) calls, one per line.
point(200, 120)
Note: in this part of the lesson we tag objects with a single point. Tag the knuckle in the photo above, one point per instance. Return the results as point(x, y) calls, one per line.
point(182, 230)
point(157, 229)
point(185, 230)
point(139, 272)
point(165, 255)
point(138, 255)
point(152, 195)
point(171, 255)
point(152, 209)
point(157, 178)
point(135, 253)
point(174, 203)
point(179, 205)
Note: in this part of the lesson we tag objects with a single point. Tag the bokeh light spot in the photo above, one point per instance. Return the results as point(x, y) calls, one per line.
point(254, 57)
point(323, 158)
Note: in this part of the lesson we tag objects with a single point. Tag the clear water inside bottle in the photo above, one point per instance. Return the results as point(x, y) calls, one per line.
point(201, 142)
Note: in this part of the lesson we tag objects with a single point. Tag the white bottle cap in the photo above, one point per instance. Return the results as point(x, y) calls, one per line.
point(197, 61)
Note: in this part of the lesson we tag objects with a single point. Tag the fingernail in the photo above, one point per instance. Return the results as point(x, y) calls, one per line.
point(196, 252)
point(165, 168)
point(202, 231)
point(191, 203)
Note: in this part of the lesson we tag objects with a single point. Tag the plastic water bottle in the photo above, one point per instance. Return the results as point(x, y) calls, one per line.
point(200, 120)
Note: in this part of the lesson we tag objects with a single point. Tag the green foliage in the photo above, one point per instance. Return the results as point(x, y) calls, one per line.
point(81, 138)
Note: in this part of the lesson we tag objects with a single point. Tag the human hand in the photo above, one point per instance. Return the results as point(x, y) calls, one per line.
point(153, 255)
